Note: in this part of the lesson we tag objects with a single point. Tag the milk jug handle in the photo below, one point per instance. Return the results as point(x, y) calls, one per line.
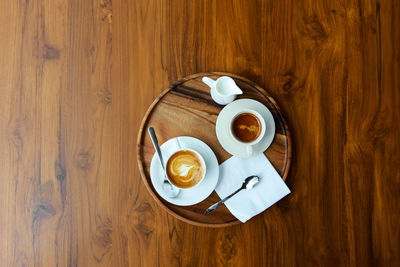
point(210, 82)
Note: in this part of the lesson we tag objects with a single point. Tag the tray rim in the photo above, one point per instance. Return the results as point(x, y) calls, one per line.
point(150, 110)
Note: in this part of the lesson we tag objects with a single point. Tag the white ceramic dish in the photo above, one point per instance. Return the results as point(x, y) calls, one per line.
point(223, 128)
point(194, 195)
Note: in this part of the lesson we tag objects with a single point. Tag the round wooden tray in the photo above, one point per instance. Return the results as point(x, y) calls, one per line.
point(187, 109)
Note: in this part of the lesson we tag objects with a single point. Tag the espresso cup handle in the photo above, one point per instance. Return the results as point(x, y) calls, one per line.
point(249, 150)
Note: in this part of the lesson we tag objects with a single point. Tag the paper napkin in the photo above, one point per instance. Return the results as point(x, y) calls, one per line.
point(248, 203)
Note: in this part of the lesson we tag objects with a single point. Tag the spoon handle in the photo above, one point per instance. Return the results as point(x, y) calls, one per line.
point(156, 145)
point(219, 203)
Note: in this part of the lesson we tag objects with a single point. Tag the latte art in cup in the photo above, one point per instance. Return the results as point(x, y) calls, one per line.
point(185, 168)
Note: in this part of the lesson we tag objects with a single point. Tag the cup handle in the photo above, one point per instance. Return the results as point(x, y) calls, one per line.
point(178, 143)
point(210, 82)
point(249, 150)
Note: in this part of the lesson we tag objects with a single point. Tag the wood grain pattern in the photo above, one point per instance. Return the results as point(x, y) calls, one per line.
point(187, 109)
point(76, 78)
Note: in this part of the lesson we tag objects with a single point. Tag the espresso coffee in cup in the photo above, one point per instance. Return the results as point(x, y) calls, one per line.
point(185, 168)
point(246, 127)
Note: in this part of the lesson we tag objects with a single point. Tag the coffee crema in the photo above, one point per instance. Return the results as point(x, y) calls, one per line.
point(185, 169)
point(246, 127)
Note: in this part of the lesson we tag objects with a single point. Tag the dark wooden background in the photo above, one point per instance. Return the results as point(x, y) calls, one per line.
point(76, 77)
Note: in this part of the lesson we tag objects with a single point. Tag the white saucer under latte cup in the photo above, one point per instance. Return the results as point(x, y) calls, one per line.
point(202, 190)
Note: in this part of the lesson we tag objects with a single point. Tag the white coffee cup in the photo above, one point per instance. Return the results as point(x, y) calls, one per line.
point(248, 145)
point(180, 148)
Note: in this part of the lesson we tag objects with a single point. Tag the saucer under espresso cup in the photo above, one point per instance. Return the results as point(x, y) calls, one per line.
point(224, 123)
point(199, 192)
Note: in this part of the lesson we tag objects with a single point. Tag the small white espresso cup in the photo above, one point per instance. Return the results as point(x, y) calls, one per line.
point(248, 145)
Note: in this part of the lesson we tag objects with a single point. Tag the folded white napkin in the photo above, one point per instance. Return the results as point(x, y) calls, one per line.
point(248, 203)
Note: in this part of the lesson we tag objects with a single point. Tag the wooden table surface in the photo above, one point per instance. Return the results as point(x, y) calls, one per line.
point(76, 78)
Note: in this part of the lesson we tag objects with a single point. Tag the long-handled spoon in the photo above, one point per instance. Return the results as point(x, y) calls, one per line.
point(248, 183)
point(169, 189)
